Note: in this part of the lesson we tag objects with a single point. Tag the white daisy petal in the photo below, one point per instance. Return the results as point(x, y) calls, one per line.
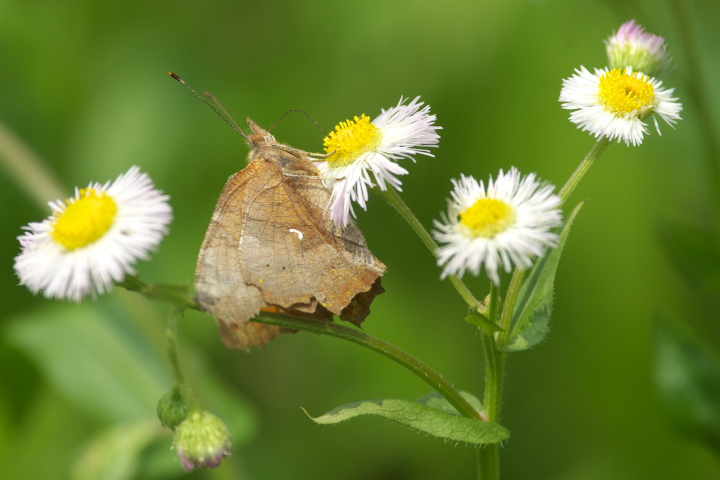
point(358, 147)
point(614, 103)
point(92, 240)
point(504, 225)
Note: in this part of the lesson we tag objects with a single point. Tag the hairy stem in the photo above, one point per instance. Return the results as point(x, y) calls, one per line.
point(394, 199)
point(432, 378)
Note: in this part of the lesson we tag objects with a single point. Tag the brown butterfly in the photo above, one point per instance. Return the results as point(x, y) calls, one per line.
point(272, 246)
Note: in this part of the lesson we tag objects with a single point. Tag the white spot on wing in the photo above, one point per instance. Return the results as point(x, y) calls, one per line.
point(297, 232)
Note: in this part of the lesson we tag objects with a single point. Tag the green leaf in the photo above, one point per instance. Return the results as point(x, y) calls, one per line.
point(94, 358)
point(687, 376)
point(481, 321)
point(432, 414)
point(531, 319)
point(438, 402)
point(114, 454)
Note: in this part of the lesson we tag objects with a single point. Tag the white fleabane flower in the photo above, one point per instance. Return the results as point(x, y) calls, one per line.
point(505, 224)
point(360, 146)
point(614, 103)
point(92, 239)
point(644, 52)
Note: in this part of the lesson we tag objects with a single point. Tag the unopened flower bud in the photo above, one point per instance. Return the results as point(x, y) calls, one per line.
point(644, 52)
point(172, 408)
point(202, 441)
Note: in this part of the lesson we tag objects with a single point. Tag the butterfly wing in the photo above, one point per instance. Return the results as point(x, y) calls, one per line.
point(220, 286)
point(272, 246)
point(295, 254)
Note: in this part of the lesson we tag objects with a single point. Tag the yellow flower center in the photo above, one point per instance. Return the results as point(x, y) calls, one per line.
point(624, 92)
point(351, 140)
point(86, 220)
point(488, 217)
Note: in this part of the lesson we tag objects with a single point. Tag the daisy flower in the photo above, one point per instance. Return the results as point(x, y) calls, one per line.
point(360, 146)
point(92, 239)
point(614, 103)
point(644, 52)
point(504, 224)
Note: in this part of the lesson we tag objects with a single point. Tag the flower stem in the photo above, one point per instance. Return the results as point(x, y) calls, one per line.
point(172, 345)
point(489, 455)
point(583, 168)
point(395, 201)
point(176, 295)
point(434, 379)
point(505, 322)
point(171, 338)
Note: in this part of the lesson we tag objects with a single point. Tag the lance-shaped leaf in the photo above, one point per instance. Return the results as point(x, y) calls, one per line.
point(531, 319)
point(431, 414)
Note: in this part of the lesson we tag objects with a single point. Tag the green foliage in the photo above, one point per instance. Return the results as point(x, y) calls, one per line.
point(115, 453)
point(531, 319)
point(431, 414)
point(481, 321)
point(93, 360)
point(108, 369)
point(91, 95)
point(687, 375)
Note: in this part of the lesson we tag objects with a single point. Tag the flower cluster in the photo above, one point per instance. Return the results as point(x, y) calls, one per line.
point(614, 102)
point(91, 240)
point(502, 225)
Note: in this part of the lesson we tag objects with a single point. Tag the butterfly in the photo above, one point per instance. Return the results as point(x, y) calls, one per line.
point(272, 246)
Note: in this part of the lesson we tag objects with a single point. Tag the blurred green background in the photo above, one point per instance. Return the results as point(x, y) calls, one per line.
point(85, 85)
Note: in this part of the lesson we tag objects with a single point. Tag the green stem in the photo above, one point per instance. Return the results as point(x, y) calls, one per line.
point(171, 337)
point(489, 455)
point(505, 322)
point(432, 378)
point(495, 358)
point(583, 168)
point(393, 198)
point(176, 295)
point(489, 462)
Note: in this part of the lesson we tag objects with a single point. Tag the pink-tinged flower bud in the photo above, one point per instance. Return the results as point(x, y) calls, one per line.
point(644, 52)
point(202, 441)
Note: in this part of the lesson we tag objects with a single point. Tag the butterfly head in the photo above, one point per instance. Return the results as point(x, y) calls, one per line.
point(260, 137)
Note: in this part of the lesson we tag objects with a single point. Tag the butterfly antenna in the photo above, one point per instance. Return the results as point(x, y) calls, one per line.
point(233, 124)
point(304, 113)
point(217, 102)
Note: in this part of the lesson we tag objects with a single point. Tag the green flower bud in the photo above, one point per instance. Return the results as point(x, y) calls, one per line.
point(202, 441)
point(173, 408)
